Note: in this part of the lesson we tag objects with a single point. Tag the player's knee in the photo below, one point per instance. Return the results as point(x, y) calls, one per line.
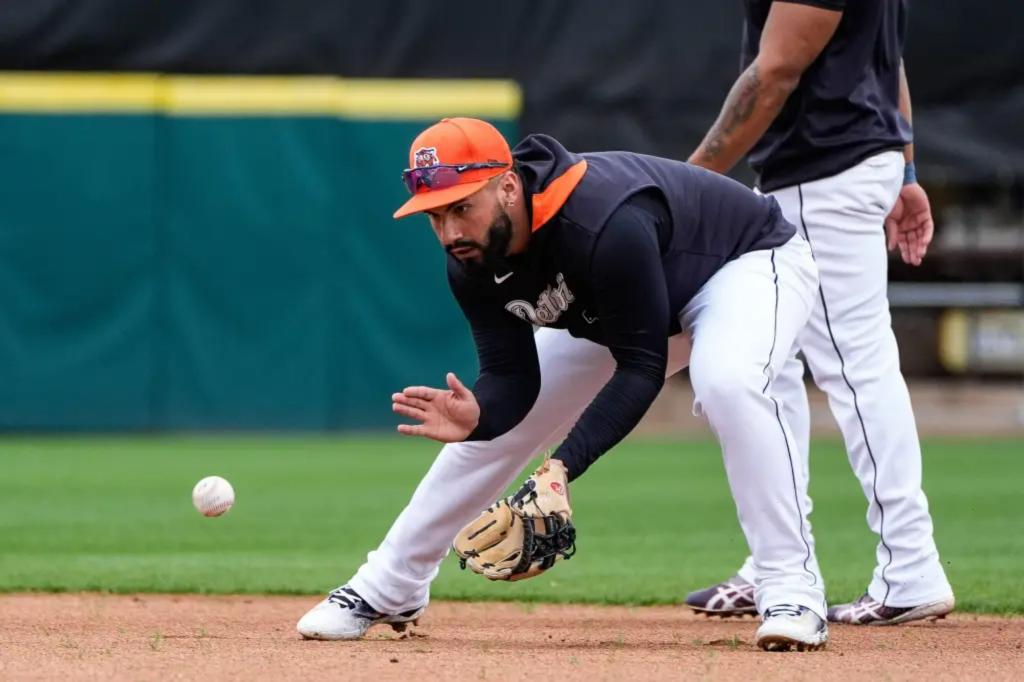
point(723, 387)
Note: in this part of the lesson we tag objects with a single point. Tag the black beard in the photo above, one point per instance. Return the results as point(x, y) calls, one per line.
point(493, 253)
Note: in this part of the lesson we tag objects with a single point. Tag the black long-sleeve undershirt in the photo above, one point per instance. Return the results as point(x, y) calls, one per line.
point(632, 307)
point(509, 378)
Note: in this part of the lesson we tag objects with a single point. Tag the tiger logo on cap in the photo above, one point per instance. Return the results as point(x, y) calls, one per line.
point(425, 157)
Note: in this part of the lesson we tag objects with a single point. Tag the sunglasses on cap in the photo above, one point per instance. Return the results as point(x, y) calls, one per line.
point(442, 175)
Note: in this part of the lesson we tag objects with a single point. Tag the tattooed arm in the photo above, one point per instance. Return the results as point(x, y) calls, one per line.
point(794, 35)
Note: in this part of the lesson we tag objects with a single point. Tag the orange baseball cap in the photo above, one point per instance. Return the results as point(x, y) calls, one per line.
point(453, 143)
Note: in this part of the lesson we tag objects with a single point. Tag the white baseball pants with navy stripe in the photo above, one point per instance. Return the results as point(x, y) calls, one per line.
point(851, 352)
point(742, 324)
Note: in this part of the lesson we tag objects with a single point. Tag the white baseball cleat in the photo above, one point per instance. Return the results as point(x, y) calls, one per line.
point(787, 627)
point(346, 615)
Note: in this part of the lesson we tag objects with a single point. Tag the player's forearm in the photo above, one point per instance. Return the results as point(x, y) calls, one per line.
point(753, 103)
point(906, 110)
point(509, 379)
point(614, 412)
point(504, 401)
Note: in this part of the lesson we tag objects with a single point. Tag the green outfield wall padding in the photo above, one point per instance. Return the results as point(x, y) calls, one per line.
point(184, 272)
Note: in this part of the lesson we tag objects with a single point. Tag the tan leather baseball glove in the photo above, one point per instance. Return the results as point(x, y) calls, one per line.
point(525, 534)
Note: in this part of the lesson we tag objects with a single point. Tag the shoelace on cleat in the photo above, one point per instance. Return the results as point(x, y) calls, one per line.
point(784, 610)
point(345, 597)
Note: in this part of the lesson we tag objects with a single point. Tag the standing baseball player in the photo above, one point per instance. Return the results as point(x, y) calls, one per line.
point(621, 259)
point(823, 109)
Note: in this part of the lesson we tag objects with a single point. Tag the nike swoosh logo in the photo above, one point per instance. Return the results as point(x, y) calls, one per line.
point(499, 280)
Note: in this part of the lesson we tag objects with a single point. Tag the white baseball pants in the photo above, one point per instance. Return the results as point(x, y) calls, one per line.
point(851, 351)
point(742, 323)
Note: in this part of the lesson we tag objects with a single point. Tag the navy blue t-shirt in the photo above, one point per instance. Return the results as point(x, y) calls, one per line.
point(846, 106)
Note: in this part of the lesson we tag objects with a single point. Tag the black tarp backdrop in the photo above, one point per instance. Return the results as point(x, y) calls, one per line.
point(647, 75)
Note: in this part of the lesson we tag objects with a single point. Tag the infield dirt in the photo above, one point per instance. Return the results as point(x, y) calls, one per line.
point(151, 637)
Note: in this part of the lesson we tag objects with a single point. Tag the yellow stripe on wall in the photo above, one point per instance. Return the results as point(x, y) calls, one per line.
point(47, 92)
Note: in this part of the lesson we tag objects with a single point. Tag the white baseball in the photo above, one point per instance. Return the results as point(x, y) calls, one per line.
point(213, 496)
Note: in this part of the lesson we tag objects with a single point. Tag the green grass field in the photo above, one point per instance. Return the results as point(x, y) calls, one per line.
point(655, 518)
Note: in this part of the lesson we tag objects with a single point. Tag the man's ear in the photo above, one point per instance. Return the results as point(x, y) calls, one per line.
point(509, 188)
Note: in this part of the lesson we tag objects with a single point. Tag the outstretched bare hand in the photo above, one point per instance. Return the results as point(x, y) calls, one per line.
point(446, 416)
